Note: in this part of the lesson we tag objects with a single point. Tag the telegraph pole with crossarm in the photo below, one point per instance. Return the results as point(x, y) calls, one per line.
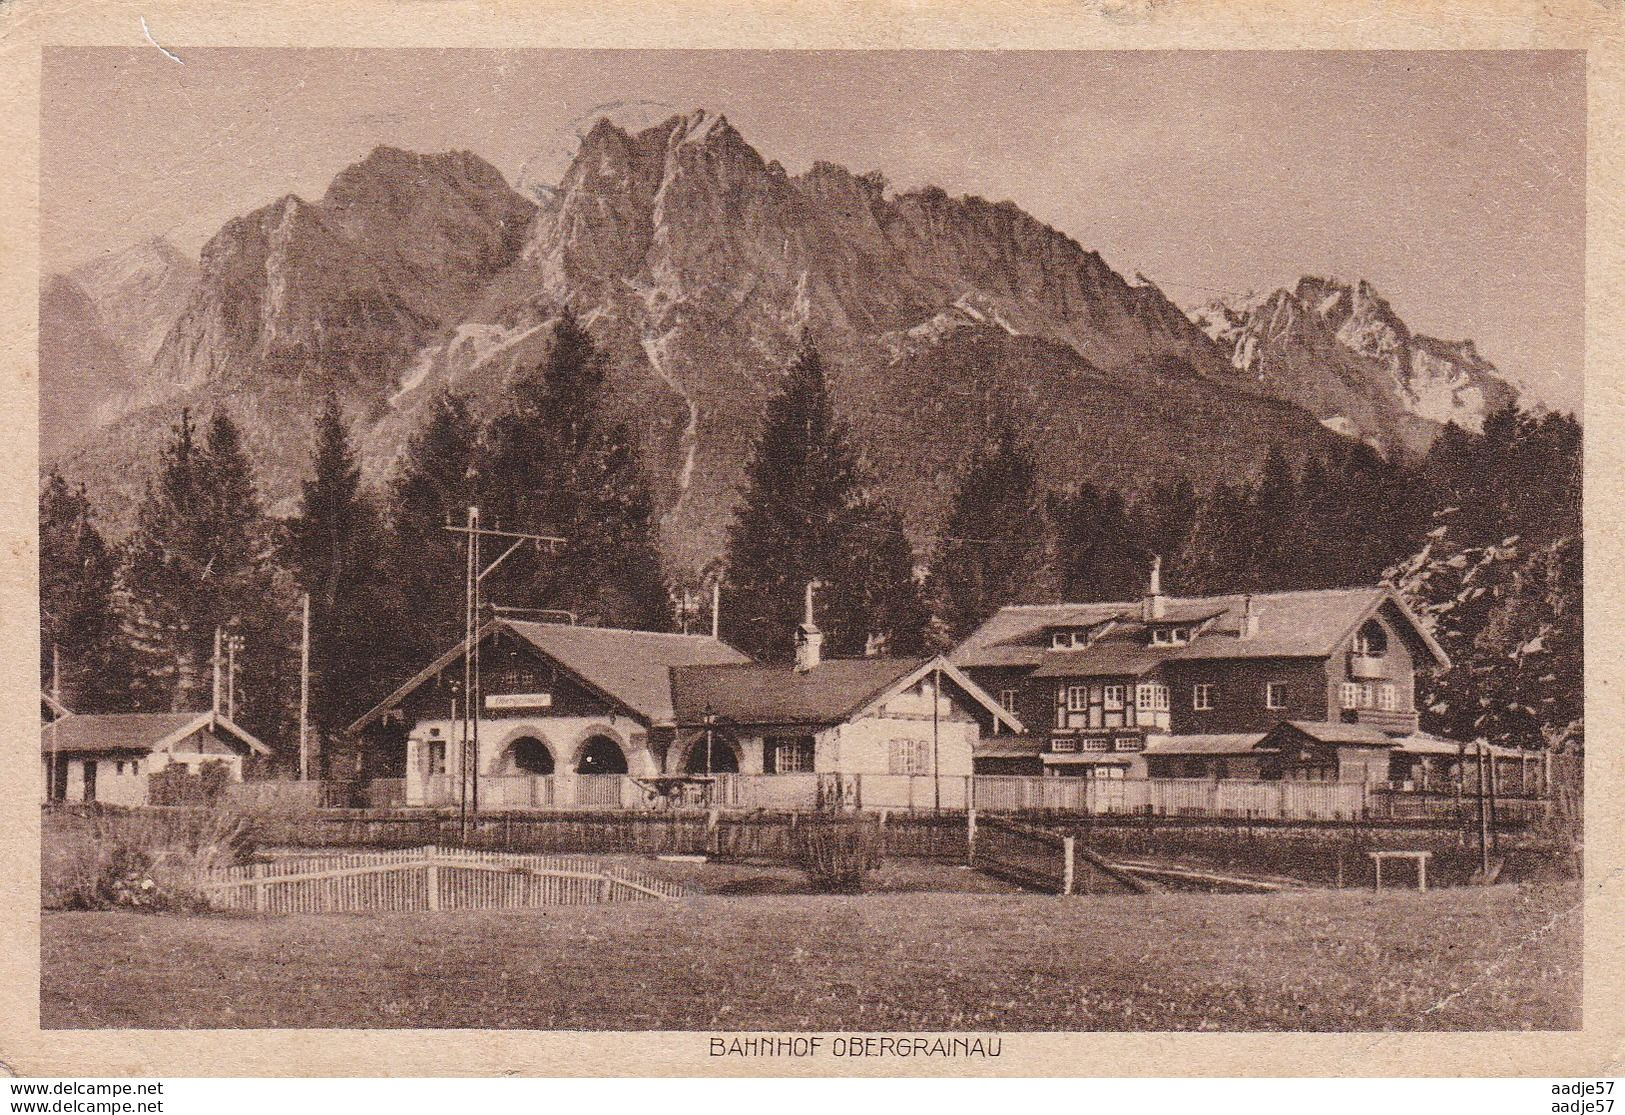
point(468, 766)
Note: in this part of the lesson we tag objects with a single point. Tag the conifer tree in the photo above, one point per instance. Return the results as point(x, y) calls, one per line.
point(433, 486)
point(807, 516)
point(554, 462)
point(993, 542)
point(200, 559)
point(334, 553)
point(1101, 545)
point(78, 612)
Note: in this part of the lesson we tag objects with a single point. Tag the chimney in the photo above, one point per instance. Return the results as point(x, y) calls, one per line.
point(809, 640)
point(1155, 605)
point(1249, 618)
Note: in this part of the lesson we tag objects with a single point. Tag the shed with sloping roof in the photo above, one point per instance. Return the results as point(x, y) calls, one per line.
point(109, 757)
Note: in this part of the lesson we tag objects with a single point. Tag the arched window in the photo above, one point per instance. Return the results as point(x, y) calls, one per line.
point(1372, 640)
point(530, 755)
point(722, 759)
point(602, 755)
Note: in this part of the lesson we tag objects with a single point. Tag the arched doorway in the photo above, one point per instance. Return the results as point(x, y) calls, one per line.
point(529, 755)
point(601, 755)
point(724, 760)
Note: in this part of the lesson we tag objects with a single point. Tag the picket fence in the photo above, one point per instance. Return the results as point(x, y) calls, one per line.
point(1327, 801)
point(429, 878)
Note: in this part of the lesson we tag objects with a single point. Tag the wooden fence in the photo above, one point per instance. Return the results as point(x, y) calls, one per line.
point(428, 878)
point(1031, 857)
point(905, 793)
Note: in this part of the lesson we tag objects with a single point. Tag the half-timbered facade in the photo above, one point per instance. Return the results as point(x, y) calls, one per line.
point(1190, 687)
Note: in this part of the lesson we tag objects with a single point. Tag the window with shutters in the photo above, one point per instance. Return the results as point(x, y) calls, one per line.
point(909, 756)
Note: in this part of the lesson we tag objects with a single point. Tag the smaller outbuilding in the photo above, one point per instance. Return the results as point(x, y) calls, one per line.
point(109, 757)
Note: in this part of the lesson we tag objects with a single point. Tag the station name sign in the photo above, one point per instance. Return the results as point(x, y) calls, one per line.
point(518, 700)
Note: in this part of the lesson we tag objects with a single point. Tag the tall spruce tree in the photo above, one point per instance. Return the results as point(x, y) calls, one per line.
point(334, 552)
point(433, 486)
point(79, 618)
point(993, 543)
point(556, 462)
point(806, 516)
point(200, 559)
point(1101, 548)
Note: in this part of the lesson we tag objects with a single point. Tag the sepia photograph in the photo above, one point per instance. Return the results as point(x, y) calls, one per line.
point(905, 542)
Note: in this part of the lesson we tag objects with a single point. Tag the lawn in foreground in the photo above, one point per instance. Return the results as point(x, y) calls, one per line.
point(1466, 959)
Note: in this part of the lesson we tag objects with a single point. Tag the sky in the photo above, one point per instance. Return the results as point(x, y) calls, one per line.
point(1453, 181)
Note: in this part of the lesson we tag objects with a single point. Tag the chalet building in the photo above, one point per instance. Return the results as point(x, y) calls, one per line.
point(563, 704)
point(1314, 685)
point(108, 757)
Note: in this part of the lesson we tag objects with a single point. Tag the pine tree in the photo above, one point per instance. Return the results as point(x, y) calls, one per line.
point(1101, 547)
point(433, 486)
point(809, 515)
point(334, 553)
point(200, 559)
point(875, 602)
point(78, 613)
point(555, 463)
point(993, 542)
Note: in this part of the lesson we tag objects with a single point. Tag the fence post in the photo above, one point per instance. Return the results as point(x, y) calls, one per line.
point(605, 882)
point(970, 837)
point(259, 888)
point(1066, 870)
point(431, 877)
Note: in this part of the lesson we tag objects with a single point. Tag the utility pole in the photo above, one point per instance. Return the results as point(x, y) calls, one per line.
point(304, 694)
point(56, 715)
point(233, 644)
point(216, 705)
point(469, 754)
point(936, 705)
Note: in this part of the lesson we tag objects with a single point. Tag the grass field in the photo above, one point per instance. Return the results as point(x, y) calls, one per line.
point(1465, 959)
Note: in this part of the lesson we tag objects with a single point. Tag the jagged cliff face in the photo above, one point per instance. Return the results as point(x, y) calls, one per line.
point(1343, 353)
point(696, 265)
point(100, 326)
point(346, 289)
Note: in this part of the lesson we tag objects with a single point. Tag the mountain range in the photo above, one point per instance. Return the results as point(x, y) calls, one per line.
point(697, 265)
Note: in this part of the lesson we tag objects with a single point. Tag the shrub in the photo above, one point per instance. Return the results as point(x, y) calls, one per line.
point(143, 860)
point(178, 785)
point(836, 852)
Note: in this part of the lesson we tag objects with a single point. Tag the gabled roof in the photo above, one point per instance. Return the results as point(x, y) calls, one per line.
point(629, 668)
point(145, 732)
point(835, 690)
point(55, 707)
point(1301, 624)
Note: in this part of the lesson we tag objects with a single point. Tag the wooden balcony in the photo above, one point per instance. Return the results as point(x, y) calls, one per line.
point(1367, 667)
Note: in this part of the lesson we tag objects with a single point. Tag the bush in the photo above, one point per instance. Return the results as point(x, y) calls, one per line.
point(143, 860)
point(178, 785)
point(836, 853)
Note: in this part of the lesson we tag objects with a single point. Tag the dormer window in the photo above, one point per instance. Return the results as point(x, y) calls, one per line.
point(1170, 636)
point(1061, 640)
